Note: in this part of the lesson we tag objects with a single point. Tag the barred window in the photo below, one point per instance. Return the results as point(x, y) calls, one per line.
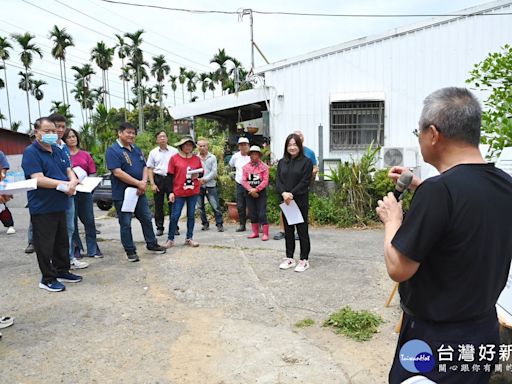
point(355, 124)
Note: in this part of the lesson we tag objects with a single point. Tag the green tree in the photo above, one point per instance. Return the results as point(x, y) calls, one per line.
point(191, 82)
point(137, 63)
point(123, 51)
point(2, 85)
point(38, 92)
point(5, 46)
point(174, 86)
point(494, 75)
point(28, 49)
point(182, 78)
point(221, 73)
point(204, 78)
point(82, 91)
point(102, 56)
point(159, 70)
point(25, 83)
point(62, 40)
point(62, 109)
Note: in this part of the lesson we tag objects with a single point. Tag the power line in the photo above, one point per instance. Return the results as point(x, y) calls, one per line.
point(177, 42)
point(309, 14)
point(98, 32)
point(118, 30)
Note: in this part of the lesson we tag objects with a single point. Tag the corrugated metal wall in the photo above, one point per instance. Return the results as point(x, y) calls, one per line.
point(406, 68)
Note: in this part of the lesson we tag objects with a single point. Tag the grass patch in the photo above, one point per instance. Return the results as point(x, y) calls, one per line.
point(358, 325)
point(305, 323)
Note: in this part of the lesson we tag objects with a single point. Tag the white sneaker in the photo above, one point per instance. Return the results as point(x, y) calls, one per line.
point(77, 264)
point(302, 266)
point(11, 231)
point(287, 263)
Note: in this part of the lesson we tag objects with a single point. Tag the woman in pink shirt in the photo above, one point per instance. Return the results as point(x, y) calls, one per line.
point(83, 201)
point(255, 181)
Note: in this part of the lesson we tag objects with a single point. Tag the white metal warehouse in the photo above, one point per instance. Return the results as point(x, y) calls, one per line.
point(372, 88)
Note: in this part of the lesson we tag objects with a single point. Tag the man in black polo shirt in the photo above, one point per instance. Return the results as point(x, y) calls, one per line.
point(126, 162)
point(451, 253)
point(56, 182)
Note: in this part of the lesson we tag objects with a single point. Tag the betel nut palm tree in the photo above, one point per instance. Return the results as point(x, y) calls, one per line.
point(123, 51)
point(5, 46)
point(62, 40)
point(38, 92)
point(159, 70)
point(102, 56)
point(28, 49)
point(137, 61)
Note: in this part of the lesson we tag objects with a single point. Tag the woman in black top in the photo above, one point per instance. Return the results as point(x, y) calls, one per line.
point(293, 177)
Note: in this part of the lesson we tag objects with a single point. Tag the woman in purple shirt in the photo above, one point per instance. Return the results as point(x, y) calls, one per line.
point(83, 201)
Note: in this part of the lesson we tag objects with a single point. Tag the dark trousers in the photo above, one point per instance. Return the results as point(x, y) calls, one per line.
point(6, 217)
point(302, 231)
point(50, 237)
point(482, 331)
point(258, 208)
point(164, 185)
point(241, 203)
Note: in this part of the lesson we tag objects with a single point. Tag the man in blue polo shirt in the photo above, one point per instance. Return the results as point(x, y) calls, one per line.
point(56, 182)
point(128, 167)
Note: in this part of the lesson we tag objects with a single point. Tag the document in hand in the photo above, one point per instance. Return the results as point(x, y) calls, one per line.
point(18, 187)
point(194, 171)
point(80, 173)
point(130, 200)
point(88, 184)
point(292, 213)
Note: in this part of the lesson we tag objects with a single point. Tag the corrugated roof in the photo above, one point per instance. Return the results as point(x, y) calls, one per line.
point(483, 8)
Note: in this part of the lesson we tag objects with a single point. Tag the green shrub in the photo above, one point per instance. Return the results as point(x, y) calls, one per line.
point(358, 325)
point(304, 323)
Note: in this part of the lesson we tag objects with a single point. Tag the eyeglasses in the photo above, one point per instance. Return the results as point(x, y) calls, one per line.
point(416, 132)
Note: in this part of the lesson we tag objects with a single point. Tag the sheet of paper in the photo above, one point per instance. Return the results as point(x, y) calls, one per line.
point(292, 213)
point(80, 173)
point(194, 171)
point(130, 200)
point(18, 187)
point(88, 184)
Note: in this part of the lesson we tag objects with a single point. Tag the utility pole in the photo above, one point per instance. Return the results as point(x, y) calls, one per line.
point(248, 11)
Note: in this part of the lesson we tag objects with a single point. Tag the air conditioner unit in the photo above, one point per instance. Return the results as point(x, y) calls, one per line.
point(402, 156)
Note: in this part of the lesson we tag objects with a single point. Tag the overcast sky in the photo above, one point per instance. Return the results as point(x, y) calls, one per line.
point(188, 39)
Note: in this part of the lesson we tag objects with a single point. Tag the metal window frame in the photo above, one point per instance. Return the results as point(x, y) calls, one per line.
point(353, 110)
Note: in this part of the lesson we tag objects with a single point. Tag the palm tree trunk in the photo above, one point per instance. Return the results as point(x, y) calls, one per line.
point(141, 107)
point(82, 112)
point(183, 93)
point(124, 91)
point(39, 107)
point(108, 91)
point(28, 102)
point(8, 101)
point(160, 100)
point(65, 81)
point(62, 82)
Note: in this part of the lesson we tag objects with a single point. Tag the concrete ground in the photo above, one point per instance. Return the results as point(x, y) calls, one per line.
point(220, 313)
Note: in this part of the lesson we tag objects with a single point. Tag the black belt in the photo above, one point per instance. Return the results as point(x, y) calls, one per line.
point(156, 174)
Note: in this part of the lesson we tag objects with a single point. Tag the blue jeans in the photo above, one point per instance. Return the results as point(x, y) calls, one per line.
point(177, 206)
point(70, 224)
point(84, 211)
point(143, 214)
point(213, 198)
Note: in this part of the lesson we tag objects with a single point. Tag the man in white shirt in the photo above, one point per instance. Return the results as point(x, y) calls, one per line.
point(238, 160)
point(161, 184)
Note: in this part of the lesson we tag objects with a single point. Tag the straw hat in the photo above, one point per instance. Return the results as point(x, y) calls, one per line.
point(184, 140)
